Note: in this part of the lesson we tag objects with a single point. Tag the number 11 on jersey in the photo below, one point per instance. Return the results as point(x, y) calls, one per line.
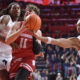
point(23, 43)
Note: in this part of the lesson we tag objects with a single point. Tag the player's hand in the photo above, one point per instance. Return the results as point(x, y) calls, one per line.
point(23, 27)
point(27, 17)
point(35, 34)
point(40, 55)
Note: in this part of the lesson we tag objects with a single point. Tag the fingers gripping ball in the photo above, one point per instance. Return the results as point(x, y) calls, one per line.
point(34, 22)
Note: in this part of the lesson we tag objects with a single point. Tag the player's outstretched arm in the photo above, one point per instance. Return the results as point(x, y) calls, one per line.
point(66, 42)
point(63, 42)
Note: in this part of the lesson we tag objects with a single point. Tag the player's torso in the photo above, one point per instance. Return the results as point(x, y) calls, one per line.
point(25, 42)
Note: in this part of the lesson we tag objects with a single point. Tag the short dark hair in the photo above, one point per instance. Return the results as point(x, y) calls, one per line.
point(34, 8)
point(6, 11)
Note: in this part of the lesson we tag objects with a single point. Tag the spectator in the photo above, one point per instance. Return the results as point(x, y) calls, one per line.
point(36, 75)
point(59, 77)
point(78, 78)
point(73, 65)
point(66, 67)
point(73, 77)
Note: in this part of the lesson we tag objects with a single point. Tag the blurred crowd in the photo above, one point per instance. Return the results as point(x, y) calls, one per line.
point(58, 63)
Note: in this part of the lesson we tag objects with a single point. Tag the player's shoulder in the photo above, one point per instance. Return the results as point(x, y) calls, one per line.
point(5, 16)
point(5, 19)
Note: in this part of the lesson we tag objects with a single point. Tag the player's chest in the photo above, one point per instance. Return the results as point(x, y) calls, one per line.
point(25, 40)
point(25, 36)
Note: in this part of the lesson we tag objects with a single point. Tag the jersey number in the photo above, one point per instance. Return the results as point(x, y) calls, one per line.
point(23, 43)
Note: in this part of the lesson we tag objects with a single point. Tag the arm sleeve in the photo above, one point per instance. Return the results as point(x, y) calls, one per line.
point(37, 48)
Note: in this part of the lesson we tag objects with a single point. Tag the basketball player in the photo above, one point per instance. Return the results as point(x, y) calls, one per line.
point(23, 62)
point(63, 42)
point(5, 50)
point(13, 10)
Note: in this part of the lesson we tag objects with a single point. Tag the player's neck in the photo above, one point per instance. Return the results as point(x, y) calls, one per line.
point(15, 18)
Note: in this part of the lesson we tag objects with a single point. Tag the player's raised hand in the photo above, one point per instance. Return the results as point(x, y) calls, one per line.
point(34, 33)
point(26, 17)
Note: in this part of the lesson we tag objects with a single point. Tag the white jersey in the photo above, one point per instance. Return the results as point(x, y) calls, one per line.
point(5, 49)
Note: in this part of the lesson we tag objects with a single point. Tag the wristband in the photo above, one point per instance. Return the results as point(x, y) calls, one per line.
point(49, 40)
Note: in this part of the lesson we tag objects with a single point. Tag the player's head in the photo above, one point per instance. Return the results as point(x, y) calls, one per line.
point(78, 26)
point(13, 10)
point(32, 8)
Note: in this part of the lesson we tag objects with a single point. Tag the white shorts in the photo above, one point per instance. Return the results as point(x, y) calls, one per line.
point(5, 63)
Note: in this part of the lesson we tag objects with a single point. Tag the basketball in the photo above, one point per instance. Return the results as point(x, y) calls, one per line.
point(34, 22)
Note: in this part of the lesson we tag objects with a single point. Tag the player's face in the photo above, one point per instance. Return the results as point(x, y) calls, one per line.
point(29, 12)
point(15, 10)
point(78, 28)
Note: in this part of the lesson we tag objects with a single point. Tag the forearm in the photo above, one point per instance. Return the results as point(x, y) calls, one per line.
point(48, 40)
point(65, 43)
point(62, 42)
point(12, 37)
point(43, 39)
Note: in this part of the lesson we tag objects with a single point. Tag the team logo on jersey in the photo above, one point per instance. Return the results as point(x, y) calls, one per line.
point(26, 35)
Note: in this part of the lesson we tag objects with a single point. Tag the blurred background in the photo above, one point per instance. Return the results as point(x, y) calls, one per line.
point(59, 18)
